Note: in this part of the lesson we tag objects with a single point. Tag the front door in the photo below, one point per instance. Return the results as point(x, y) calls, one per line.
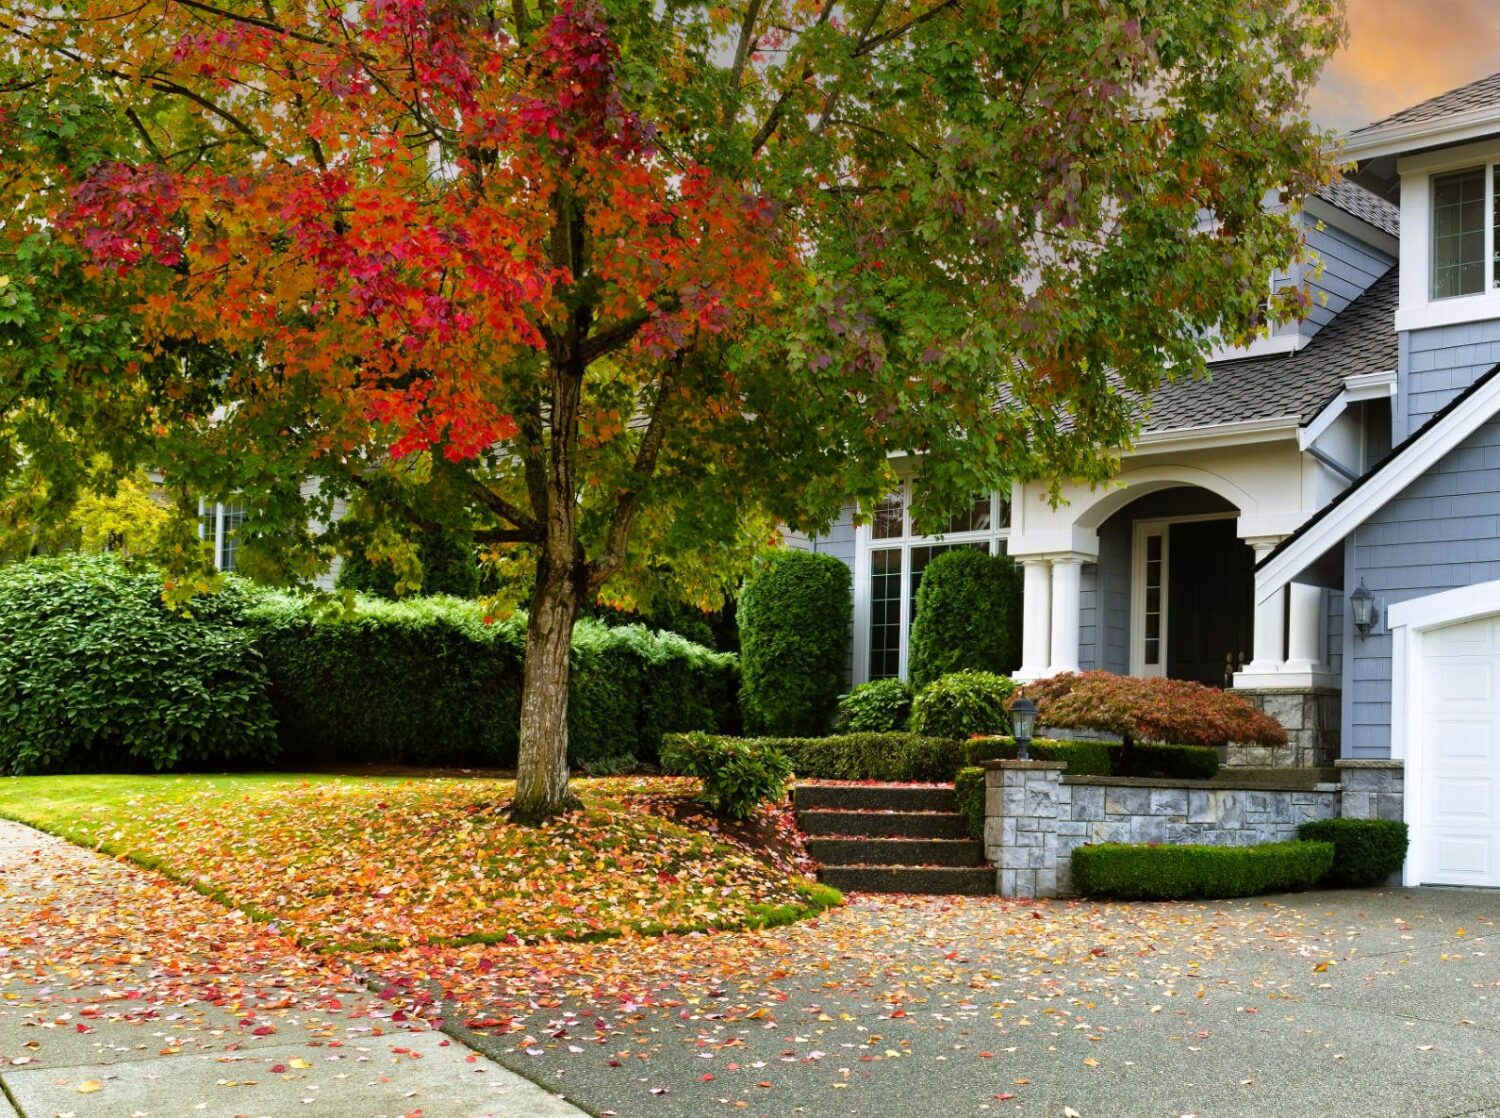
point(1210, 601)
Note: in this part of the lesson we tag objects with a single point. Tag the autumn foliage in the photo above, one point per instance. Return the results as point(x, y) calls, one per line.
point(1153, 709)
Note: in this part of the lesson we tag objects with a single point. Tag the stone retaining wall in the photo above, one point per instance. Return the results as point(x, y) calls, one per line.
point(1035, 816)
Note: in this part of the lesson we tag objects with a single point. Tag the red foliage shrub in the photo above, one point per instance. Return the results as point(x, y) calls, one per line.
point(1174, 711)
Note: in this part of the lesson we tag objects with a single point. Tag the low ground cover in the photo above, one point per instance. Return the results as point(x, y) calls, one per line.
point(380, 862)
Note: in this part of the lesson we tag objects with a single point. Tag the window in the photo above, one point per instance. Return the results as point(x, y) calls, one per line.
point(897, 559)
point(1458, 233)
point(218, 525)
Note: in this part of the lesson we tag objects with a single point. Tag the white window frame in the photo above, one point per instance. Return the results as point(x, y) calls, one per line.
point(865, 544)
point(219, 508)
point(1418, 309)
point(1142, 530)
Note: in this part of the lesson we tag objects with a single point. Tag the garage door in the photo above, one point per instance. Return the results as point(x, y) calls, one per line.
point(1460, 781)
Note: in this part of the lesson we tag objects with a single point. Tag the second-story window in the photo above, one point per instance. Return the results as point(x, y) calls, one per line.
point(1458, 229)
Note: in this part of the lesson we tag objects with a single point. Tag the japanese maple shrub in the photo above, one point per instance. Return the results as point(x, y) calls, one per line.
point(1169, 711)
point(794, 615)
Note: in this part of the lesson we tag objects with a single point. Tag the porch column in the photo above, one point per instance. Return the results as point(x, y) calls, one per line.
point(1036, 631)
point(1304, 651)
point(1269, 644)
point(1067, 585)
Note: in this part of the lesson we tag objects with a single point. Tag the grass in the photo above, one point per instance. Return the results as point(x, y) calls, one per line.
point(381, 862)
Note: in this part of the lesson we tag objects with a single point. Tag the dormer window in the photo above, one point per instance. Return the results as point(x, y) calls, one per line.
point(1458, 233)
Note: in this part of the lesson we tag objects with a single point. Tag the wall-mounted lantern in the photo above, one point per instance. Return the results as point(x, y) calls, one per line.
point(1362, 602)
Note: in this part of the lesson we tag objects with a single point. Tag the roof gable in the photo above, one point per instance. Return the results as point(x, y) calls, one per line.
point(1466, 98)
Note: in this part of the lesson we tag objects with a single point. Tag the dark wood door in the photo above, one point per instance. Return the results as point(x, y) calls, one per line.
point(1210, 601)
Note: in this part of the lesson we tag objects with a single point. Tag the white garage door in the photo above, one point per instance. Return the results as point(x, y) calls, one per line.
point(1460, 781)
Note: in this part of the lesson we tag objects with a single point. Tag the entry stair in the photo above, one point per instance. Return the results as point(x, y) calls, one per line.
point(891, 838)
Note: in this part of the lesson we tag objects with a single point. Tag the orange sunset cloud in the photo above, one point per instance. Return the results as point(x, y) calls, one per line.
point(1404, 51)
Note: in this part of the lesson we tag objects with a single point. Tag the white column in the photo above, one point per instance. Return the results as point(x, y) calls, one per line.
point(1036, 631)
point(1270, 627)
point(1304, 626)
point(1067, 586)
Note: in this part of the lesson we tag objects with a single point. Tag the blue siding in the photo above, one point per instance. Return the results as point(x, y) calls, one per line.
point(1088, 618)
point(1349, 266)
point(839, 542)
point(1440, 533)
point(1438, 364)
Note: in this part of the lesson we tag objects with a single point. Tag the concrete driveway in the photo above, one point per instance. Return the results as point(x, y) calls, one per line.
point(1319, 1004)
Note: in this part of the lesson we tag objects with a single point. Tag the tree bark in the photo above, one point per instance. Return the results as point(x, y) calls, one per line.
point(542, 769)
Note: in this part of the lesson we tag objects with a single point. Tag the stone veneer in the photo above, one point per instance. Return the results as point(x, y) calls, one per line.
point(1035, 817)
point(1312, 718)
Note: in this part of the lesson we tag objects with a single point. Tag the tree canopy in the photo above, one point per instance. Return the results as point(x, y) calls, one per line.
point(616, 284)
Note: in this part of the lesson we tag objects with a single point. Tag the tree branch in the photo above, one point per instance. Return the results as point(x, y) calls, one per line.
point(501, 507)
point(773, 119)
point(744, 46)
point(610, 339)
point(898, 31)
point(612, 558)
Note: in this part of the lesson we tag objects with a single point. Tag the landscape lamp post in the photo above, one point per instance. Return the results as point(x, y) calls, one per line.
point(1023, 721)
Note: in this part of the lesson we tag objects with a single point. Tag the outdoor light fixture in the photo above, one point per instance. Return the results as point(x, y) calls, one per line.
point(1023, 721)
point(1363, 604)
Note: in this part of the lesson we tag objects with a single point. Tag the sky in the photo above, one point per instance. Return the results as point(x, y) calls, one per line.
point(1404, 51)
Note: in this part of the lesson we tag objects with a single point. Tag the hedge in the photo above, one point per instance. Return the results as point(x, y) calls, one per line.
point(968, 790)
point(1163, 873)
point(1171, 762)
point(738, 774)
point(97, 673)
point(1083, 758)
point(966, 609)
point(450, 564)
point(1365, 851)
point(795, 614)
point(425, 681)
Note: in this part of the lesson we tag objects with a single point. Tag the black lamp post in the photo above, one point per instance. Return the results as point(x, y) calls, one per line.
point(1023, 721)
point(1362, 602)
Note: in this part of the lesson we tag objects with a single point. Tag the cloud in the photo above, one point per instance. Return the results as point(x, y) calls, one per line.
point(1404, 51)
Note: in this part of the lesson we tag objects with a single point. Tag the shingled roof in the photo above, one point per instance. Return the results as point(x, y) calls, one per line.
point(1364, 205)
point(1360, 339)
point(1475, 95)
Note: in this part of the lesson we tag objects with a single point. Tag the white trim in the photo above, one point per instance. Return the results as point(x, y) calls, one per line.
point(1417, 309)
point(1215, 435)
point(1409, 622)
point(1263, 345)
point(1358, 386)
point(1397, 139)
point(1370, 497)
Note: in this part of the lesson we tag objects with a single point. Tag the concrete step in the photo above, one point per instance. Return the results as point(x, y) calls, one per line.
point(874, 797)
point(974, 881)
point(896, 852)
point(900, 824)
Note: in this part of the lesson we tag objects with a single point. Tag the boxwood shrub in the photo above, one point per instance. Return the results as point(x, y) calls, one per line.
point(738, 774)
point(1365, 851)
point(97, 673)
point(878, 707)
point(1083, 758)
point(968, 790)
point(1172, 762)
point(425, 681)
point(963, 704)
point(795, 614)
point(1163, 873)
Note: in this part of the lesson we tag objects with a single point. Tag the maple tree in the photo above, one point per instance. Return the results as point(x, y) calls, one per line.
point(617, 284)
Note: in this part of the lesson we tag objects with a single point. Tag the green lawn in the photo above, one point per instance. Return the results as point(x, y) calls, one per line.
point(387, 861)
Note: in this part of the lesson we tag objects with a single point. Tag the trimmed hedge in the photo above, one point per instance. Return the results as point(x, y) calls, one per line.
point(963, 704)
point(795, 614)
point(1164, 873)
point(966, 610)
point(1083, 758)
point(968, 790)
point(738, 774)
point(1107, 758)
point(1171, 762)
point(97, 673)
point(881, 706)
point(1365, 851)
point(424, 681)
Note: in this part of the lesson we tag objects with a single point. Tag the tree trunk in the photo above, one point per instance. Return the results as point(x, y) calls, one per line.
point(542, 770)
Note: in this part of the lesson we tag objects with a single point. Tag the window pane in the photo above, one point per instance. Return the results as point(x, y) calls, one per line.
point(1151, 611)
point(234, 516)
point(885, 613)
point(1458, 234)
point(1004, 512)
point(887, 524)
point(976, 519)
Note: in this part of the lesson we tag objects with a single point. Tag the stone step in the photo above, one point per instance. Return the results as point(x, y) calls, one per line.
point(876, 797)
point(896, 852)
point(900, 824)
point(974, 881)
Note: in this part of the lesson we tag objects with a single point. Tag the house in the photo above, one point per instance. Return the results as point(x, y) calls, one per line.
point(1317, 526)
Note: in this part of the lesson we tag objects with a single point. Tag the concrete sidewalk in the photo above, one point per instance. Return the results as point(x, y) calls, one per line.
point(122, 994)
